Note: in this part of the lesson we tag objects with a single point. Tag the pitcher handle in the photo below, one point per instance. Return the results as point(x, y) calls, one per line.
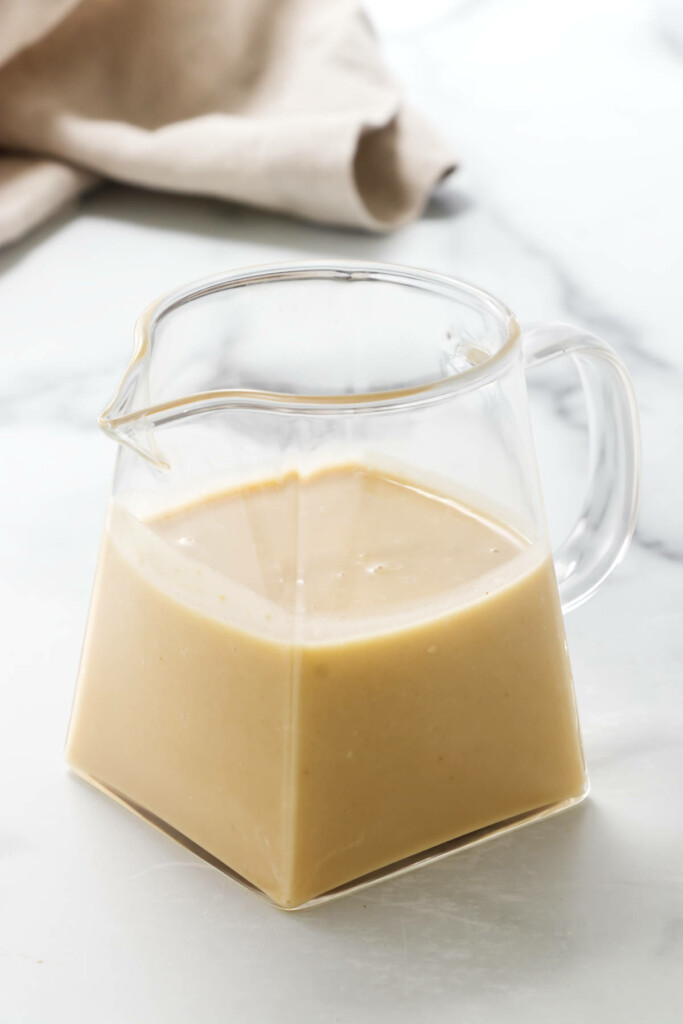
point(605, 526)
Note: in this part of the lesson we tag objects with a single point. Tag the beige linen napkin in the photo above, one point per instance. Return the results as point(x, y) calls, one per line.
point(282, 104)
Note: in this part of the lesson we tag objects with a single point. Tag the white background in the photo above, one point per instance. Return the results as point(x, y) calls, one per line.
point(567, 118)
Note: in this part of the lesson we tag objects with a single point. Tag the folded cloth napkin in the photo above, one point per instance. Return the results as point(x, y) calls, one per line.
point(282, 104)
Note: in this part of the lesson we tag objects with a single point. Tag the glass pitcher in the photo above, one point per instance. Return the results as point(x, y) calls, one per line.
point(325, 642)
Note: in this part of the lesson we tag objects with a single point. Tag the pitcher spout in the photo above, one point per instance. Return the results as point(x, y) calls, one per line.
point(124, 419)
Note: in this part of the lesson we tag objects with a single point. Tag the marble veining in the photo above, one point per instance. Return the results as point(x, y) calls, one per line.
point(585, 308)
point(567, 205)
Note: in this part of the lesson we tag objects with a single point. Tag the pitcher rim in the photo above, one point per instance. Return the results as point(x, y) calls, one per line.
point(489, 369)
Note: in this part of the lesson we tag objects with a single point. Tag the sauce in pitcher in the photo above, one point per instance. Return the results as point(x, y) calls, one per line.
point(316, 676)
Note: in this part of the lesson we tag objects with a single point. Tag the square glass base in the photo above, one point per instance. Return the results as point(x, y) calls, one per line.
point(401, 867)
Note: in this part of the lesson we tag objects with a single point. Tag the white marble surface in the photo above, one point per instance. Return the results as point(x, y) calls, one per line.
point(567, 118)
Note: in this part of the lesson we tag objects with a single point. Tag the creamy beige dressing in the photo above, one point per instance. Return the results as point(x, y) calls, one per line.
point(314, 677)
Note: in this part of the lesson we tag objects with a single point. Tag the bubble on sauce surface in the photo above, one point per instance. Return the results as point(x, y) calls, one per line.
point(383, 567)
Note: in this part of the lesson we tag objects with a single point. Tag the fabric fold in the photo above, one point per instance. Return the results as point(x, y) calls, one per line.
point(281, 104)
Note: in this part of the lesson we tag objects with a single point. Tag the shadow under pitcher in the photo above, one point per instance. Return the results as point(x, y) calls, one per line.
point(325, 643)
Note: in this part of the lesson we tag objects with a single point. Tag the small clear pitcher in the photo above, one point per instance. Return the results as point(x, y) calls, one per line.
point(325, 644)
